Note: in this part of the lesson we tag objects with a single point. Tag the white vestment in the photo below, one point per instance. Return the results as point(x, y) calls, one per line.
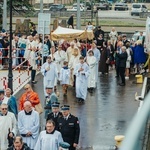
point(64, 76)
point(69, 52)
point(81, 80)
point(60, 57)
point(7, 122)
point(29, 123)
point(49, 76)
point(48, 141)
point(91, 60)
point(97, 55)
point(29, 46)
point(74, 60)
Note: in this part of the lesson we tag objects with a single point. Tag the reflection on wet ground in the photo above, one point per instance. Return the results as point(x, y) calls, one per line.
point(106, 113)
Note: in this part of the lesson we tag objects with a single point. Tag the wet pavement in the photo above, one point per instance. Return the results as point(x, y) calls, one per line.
point(106, 113)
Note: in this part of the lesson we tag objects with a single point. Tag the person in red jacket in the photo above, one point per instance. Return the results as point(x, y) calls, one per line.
point(29, 95)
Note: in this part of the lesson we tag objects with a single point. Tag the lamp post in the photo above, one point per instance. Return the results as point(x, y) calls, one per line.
point(10, 74)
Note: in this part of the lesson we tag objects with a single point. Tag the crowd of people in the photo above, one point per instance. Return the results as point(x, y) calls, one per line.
point(76, 63)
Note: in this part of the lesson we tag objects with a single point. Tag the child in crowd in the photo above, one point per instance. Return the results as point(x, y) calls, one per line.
point(64, 77)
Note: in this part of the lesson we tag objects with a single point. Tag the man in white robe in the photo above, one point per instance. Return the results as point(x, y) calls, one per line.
point(50, 138)
point(82, 72)
point(49, 71)
point(97, 55)
point(60, 56)
point(91, 61)
point(8, 125)
point(70, 51)
point(28, 125)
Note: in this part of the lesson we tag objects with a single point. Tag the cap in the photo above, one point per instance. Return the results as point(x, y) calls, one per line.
point(64, 144)
point(65, 107)
point(55, 105)
point(49, 87)
point(1, 91)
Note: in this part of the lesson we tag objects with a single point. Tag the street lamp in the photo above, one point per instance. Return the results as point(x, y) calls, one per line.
point(10, 74)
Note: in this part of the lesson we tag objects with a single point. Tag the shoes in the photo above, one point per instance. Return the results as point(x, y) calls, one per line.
point(127, 78)
point(34, 82)
point(122, 84)
point(81, 100)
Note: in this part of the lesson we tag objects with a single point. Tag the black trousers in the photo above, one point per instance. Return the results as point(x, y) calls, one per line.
point(33, 73)
point(122, 74)
point(117, 70)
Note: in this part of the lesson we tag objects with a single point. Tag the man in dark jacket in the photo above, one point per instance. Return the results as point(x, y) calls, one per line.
point(122, 64)
point(18, 144)
point(55, 114)
point(68, 125)
point(98, 32)
point(71, 21)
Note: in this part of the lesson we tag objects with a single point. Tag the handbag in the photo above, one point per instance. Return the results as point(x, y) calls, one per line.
point(107, 61)
point(39, 108)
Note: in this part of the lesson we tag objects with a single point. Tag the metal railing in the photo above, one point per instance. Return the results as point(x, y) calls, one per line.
point(135, 135)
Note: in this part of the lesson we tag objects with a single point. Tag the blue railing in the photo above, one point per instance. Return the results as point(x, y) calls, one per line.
point(134, 137)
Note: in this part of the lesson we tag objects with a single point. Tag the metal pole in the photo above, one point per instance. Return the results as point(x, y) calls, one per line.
point(91, 10)
point(41, 6)
point(43, 41)
point(5, 15)
point(78, 15)
point(10, 74)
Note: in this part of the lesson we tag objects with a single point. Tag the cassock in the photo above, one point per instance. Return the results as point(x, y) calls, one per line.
point(7, 122)
point(91, 60)
point(29, 122)
point(97, 55)
point(48, 141)
point(81, 80)
point(49, 76)
point(60, 57)
point(64, 75)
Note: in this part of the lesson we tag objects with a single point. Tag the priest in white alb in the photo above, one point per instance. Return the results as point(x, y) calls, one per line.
point(50, 138)
point(82, 72)
point(91, 61)
point(8, 126)
point(28, 124)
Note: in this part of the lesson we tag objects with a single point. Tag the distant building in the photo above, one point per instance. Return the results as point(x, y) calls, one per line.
point(53, 1)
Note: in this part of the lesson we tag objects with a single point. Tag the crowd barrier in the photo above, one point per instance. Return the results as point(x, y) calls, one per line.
point(20, 77)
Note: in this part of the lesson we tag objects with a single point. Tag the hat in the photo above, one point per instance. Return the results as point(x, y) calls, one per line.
point(65, 107)
point(99, 26)
point(1, 91)
point(64, 144)
point(55, 105)
point(49, 87)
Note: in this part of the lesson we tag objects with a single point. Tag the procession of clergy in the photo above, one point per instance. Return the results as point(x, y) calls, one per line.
point(62, 129)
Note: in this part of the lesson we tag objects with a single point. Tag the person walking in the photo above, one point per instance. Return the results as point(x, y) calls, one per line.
point(49, 71)
point(49, 99)
point(55, 114)
point(64, 77)
point(49, 138)
point(8, 127)
point(122, 64)
point(29, 95)
point(68, 125)
point(82, 73)
point(28, 124)
point(70, 21)
point(91, 61)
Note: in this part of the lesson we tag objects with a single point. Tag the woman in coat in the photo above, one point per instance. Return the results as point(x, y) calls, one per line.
point(139, 56)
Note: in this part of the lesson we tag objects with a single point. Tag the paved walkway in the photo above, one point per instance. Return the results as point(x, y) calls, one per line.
point(106, 113)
